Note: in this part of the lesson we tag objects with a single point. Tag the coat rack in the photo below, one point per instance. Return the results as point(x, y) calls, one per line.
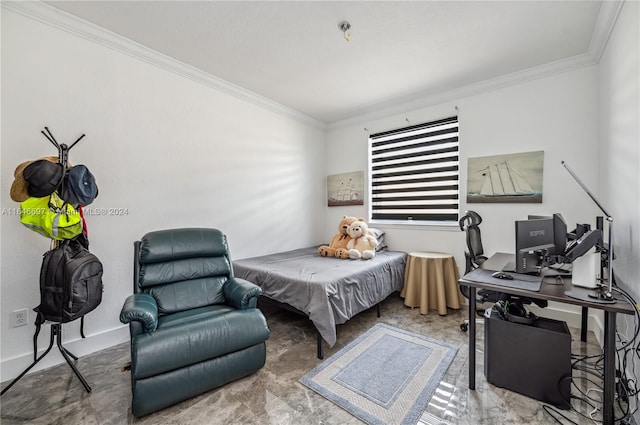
point(56, 328)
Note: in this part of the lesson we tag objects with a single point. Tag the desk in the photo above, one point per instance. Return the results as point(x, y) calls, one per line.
point(431, 282)
point(555, 293)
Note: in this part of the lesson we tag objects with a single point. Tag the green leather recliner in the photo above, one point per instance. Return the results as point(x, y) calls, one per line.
point(193, 325)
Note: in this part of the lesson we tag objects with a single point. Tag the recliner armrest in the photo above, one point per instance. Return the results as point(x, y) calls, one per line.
point(241, 293)
point(143, 308)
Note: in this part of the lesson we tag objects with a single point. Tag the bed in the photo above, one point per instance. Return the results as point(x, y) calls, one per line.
point(328, 290)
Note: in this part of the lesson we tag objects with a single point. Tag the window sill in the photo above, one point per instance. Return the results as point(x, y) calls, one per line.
point(418, 225)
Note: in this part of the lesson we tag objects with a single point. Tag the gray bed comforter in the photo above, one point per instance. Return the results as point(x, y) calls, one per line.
point(329, 290)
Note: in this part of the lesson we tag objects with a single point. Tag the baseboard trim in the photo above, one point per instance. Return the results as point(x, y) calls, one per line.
point(10, 368)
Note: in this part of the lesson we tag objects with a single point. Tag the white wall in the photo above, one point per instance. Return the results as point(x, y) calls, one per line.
point(174, 152)
point(619, 84)
point(588, 117)
point(557, 115)
point(171, 151)
point(619, 185)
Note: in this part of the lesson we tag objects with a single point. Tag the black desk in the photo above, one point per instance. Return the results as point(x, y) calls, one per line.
point(552, 292)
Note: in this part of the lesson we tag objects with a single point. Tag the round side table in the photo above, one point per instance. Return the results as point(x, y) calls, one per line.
point(431, 282)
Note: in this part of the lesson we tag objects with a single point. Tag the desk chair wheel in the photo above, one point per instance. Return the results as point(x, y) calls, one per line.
point(464, 326)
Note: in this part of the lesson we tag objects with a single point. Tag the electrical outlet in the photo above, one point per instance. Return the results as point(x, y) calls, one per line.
point(20, 317)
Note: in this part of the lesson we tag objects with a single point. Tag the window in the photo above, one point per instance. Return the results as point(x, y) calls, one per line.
point(414, 173)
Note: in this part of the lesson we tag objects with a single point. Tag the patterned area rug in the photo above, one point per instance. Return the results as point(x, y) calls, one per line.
point(385, 376)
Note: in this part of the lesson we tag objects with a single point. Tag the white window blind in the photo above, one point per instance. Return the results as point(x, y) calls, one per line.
point(415, 173)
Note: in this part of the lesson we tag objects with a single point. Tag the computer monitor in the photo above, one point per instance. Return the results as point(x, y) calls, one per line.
point(560, 234)
point(535, 239)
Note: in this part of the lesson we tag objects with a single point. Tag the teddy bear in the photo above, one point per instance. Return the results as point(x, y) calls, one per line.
point(362, 244)
point(338, 245)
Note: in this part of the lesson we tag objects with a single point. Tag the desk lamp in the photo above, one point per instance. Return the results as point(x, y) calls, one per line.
point(602, 294)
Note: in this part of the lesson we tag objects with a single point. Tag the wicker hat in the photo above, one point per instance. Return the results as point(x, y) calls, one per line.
point(19, 188)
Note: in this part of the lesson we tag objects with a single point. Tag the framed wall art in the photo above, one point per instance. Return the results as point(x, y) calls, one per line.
point(511, 178)
point(345, 189)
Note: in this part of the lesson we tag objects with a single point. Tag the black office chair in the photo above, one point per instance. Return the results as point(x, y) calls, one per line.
point(474, 257)
point(470, 223)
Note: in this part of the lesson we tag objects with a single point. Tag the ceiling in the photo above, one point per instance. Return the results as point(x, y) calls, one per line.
point(293, 52)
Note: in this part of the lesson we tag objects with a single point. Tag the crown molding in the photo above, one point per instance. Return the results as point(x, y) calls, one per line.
point(431, 99)
point(56, 18)
point(607, 17)
point(61, 20)
point(605, 23)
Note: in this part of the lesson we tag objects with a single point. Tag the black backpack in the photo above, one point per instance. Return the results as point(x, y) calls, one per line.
point(70, 283)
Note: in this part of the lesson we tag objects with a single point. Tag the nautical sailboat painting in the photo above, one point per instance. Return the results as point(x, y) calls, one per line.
point(513, 178)
point(345, 189)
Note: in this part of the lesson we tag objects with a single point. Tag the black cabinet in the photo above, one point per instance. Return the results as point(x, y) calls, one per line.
point(533, 360)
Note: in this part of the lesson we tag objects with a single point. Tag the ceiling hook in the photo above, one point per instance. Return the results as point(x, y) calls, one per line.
point(345, 26)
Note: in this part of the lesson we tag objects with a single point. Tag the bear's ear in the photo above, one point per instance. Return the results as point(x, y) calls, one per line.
point(346, 216)
point(361, 219)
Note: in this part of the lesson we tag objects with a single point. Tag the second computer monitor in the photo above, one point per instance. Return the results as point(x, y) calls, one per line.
point(559, 231)
point(534, 239)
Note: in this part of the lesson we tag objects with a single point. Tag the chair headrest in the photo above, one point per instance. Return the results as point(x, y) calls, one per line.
point(178, 244)
point(470, 218)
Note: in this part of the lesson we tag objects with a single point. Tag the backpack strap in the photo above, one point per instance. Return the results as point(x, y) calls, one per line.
point(38, 323)
point(82, 327)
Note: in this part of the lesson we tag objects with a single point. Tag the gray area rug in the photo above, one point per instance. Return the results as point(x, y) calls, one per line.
point(385, 376)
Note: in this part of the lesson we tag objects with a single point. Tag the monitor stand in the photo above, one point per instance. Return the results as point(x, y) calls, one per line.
point(598, 295)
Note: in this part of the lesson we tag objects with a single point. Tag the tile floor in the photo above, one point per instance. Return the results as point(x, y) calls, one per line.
point(273, 395)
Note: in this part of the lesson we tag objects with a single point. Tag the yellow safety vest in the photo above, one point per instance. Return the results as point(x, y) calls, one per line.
point(51, 217)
